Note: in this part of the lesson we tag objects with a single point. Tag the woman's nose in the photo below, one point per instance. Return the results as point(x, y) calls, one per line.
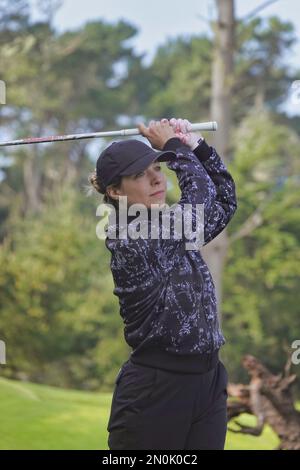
point(156, 176)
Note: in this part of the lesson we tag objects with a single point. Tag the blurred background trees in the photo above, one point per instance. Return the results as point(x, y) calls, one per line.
point(58, 316)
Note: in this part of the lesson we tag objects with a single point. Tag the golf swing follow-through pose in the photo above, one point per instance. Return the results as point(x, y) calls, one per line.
point(171, 393)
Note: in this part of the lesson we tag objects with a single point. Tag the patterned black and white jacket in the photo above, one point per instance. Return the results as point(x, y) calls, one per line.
point(166, 292)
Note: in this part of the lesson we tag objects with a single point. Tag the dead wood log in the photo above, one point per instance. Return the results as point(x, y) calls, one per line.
point(269, 397)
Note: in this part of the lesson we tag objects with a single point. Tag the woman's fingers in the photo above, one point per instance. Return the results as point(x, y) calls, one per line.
point(188, 125)
point(173, 123)
point(181, 125)
point(183, 137)
point(164, 121)
point(143, 129)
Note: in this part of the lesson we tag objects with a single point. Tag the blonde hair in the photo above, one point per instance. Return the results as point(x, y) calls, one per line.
point(93, 179)
point(95, 188)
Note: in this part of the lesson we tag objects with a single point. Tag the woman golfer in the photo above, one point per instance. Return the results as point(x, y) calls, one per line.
point(171, 392)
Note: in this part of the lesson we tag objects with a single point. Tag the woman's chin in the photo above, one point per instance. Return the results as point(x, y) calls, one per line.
point(156, 204)
point(158, 199)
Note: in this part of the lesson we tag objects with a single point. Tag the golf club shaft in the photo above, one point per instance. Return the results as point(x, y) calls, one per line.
point(198, 126)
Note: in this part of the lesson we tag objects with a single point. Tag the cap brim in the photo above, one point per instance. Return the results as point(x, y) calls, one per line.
point(143, 162)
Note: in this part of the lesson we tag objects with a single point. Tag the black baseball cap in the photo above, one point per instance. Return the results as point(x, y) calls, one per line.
point(127, 157)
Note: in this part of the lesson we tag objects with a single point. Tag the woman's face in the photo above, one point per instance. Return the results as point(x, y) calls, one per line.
point(140, 188)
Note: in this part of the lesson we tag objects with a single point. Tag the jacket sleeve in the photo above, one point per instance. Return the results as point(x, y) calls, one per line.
point(204, 179)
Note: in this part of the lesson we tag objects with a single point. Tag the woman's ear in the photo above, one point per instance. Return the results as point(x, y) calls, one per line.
point(113, 193)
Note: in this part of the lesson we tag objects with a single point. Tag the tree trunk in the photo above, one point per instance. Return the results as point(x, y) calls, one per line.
point(215, 252)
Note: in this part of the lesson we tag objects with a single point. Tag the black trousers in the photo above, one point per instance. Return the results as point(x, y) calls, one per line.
point(154, 408)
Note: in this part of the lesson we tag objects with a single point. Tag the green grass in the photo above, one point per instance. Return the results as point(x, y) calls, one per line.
point(34, 416)
point(267, 441)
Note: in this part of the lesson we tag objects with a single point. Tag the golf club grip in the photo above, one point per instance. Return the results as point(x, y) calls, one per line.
point(197, 126)
point(205, 126)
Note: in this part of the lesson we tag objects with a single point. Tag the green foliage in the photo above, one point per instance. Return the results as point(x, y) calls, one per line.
point(261, 74)
point(180, 79)
point(57, 310)
point(261, 298)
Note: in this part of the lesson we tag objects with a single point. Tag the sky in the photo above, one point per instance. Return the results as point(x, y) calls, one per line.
point(159, 20)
